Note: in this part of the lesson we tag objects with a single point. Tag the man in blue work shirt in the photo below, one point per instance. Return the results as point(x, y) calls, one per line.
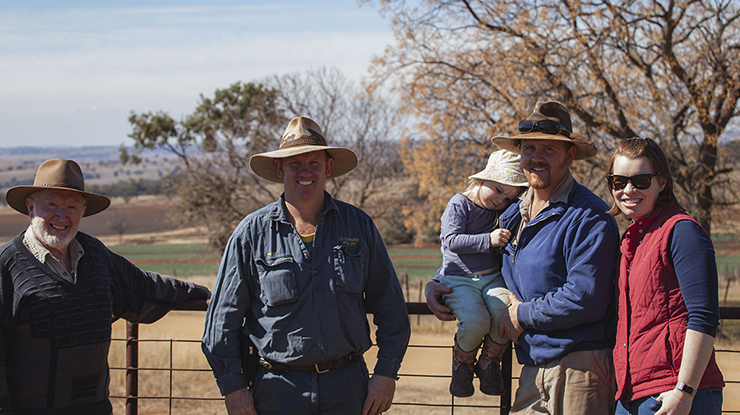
point(559, 267)
point(299, 277)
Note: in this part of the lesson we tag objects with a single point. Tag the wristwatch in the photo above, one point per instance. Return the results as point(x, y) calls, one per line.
point(685, 388)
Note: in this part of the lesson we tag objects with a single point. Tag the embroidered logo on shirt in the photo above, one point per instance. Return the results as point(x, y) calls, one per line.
point(269, 254)
point(349, 241)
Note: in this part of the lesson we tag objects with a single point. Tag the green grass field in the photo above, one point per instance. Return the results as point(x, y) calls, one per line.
point(414, 267)
point(417, 263)
point(184, 261)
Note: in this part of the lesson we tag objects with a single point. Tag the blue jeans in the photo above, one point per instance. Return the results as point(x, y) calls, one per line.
point(338, 391)
point(478, 302)
point(706, 402)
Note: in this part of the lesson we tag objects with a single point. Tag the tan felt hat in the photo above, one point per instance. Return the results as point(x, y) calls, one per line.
point(60, 174)
point(303, 135)
point(561, 130)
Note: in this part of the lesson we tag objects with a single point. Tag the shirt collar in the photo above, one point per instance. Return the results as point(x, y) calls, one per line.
point(561, 195)
point(278, 212)
point(43, 254)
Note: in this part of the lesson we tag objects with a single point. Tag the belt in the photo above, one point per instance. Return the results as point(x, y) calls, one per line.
point(322, 367)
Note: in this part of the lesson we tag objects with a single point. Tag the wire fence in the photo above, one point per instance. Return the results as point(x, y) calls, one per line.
point(172, 399)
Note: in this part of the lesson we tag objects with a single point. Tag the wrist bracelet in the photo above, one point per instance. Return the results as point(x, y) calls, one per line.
point(685, 388)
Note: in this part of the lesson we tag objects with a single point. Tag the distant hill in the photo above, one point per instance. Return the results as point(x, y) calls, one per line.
point(100, 165)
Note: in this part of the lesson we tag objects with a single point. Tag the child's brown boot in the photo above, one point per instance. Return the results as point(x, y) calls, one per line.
point(488, 367)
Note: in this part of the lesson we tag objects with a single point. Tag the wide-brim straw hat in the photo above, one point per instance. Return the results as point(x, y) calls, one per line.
point(303, 135)
point(503, 167)
point(555, 111)
point(58, 174)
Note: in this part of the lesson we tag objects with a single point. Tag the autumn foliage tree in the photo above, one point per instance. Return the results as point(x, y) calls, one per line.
point(472, 69)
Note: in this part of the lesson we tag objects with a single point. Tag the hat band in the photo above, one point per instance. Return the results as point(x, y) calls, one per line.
point(68, 186)
point(315, 139)
point(543, 126)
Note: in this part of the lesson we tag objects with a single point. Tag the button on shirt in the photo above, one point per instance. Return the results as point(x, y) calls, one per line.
point(301, 309)
point(45, 256)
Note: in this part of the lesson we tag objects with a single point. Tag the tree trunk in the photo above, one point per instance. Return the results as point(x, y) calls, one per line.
point(704, 198)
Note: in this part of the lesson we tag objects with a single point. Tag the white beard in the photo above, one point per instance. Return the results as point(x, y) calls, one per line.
point(50, 241)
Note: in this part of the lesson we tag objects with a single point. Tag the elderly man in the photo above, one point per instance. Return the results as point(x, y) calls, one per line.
point(59, 292)
point(298, 277)
point(559, 265)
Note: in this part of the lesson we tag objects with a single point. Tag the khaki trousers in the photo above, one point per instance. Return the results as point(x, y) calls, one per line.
point(578, 383)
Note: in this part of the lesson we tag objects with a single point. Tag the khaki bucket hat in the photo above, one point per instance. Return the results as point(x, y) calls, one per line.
point(503, 167)
point(59, 174)
point(303, 135)
point(549, 121)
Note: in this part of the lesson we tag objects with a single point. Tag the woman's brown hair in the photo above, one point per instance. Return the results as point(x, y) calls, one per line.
point(633, 148)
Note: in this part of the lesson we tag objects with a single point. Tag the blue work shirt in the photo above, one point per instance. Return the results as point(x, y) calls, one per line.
point(303, 309)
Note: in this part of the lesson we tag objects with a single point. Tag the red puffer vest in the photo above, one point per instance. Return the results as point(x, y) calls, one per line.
point(652, 314)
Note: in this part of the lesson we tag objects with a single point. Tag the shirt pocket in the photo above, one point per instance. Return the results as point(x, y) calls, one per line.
point(349, 268)
point(277, 281)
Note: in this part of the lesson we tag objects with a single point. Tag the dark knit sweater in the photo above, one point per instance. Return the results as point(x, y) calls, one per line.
point(56, 335)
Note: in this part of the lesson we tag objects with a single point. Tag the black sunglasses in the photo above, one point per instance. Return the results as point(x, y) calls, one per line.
point(545, 126)
point(639, 181)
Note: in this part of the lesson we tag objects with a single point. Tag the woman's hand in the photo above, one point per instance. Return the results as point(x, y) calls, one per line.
point(675, 402)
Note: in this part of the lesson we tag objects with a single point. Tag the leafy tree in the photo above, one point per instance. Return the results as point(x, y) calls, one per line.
point(626, 68)
point(133, 188)
point(215, 186)
point(217, 189)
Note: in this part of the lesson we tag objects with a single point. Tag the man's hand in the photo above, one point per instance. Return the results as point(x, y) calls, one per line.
point(240, 403)
point(380, 392)
point(434, 291)
point(510, 322)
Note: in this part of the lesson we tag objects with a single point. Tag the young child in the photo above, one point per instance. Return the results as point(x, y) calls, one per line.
point(471, 267)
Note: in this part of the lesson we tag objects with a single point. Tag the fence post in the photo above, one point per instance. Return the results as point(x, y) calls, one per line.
point(506, 368)
point(132, 368)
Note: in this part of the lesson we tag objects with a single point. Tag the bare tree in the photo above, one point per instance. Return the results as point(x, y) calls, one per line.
point(118, 224)
point(666, 69)
point(360, 119)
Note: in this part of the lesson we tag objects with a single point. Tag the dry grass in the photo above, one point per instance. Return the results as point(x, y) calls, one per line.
point(186, 326)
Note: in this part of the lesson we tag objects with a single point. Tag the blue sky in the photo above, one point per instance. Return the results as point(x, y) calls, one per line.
point(72, 71)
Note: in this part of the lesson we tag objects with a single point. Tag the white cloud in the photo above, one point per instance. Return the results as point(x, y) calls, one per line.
point(74, 75)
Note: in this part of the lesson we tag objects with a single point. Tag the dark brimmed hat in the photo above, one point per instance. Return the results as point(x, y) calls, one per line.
point(58, 174)
point(303, 135)
point(554, 111)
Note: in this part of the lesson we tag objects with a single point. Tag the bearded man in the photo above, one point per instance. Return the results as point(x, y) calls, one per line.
point(59, 292)
point(559, 267)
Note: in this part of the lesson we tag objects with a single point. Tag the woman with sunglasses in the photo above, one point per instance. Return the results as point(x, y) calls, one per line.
point(666, 293)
